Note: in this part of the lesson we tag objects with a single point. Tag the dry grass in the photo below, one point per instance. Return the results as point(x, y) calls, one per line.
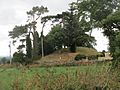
point(65, 56)
point(77, 80)
point(89, 77)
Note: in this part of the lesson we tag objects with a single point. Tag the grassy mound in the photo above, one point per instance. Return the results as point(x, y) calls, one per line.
point(64, 55)
point(86, 51)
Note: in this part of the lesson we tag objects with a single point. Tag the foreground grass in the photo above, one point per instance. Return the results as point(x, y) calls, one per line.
point(91, 77)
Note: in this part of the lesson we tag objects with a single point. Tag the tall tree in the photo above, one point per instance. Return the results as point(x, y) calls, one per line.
point(28, 47)
point(24, 31)
point(34, 15)
point(73, 28)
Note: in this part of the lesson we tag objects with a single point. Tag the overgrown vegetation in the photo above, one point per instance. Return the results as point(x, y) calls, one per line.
point(90, 77)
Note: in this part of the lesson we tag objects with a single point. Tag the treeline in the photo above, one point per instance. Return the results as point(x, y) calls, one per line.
point(4, 60)
point(74, 28)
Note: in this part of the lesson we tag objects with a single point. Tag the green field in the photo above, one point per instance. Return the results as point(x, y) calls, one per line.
point(57, 78)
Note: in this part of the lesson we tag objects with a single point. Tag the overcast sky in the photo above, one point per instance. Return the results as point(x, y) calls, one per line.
point(13, 12)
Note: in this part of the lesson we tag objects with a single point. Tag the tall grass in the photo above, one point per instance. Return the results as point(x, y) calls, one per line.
point(94, 77)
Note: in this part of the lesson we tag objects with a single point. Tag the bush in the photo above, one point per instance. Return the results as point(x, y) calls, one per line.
point(93, 57)
point(80, 57)
point(19, 57)
point(100, 54)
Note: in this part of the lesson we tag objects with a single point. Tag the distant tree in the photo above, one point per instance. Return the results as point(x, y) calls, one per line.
point(4, 60)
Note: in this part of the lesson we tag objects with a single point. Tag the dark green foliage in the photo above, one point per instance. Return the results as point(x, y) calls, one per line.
point(37, 10)
point(96, 10)
point(48, 46)
point(53, 40)
point(111, 28)
point(103, 53)
point(73, 47)
point(71, 28)
point(80, 57)
point(85, 40)
point(75, 30)
point(19, 57)
point(18, 31)
point(28, 47)
point(102, 13)
point(56, 36)
point(93, 57)
point(116, 53)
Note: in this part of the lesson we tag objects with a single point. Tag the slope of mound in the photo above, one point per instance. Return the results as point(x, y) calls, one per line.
point(64, 55)
point(87, 51)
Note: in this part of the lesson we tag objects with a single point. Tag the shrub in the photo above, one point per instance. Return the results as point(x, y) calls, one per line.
point(80, 57)
point(93, 57)
point(64, 50)
point(19, 57)
point(100, 54)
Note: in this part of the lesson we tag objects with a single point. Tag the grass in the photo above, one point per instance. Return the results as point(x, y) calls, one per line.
point(57, 78)
point(87, 51)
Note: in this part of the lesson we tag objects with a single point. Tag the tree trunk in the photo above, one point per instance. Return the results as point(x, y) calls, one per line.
point(73, 48)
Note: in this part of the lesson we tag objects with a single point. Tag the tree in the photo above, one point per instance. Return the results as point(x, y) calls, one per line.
point(53, 40)
point(28, 47)
point(74, 30)
point(111, 26)
point(101, 13)
point(30, 28)
point(34, 15)
point(71, 28)
point(4, 60)
point(56, 36)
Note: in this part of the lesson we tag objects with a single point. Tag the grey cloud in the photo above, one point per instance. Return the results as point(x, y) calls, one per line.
point(57, 6)
point(8, 16)
point(13, 11)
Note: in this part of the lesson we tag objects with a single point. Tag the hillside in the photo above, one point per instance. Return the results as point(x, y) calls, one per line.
point(65, 56)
